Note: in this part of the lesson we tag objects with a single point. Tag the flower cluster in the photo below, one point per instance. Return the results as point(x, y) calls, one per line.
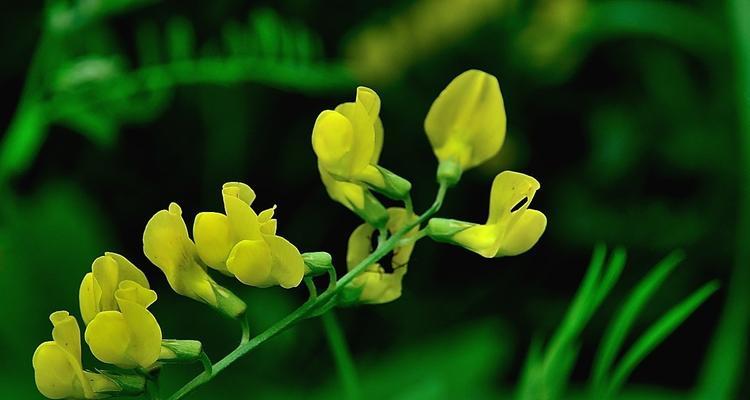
point(466, 127)
point(115, 296)
point(120, 330)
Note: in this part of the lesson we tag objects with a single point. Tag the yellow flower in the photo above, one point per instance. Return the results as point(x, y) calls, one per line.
point(167, 245)
point(57, 364)
point(466, 123)
point(97, 292)
point(244, 244)
point(128, 337)
point(347, 142)
point(375, 285)
point(511, 229)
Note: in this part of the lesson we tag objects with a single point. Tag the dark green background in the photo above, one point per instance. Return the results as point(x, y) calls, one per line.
point(625, 111)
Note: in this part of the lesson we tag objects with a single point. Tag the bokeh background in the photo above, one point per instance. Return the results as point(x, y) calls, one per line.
point(633, 114)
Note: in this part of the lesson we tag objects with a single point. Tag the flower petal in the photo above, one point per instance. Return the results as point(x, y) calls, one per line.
point(88, 298)
point(167, 245)
point(55, 376)
point(466, 122)
point(508, 190)
point(333, 141)
point(524, 234)
point(250, 261)
point(108, 336)
point(288, 268)
point(145, 344)
point(213, 239)
point(243, 222)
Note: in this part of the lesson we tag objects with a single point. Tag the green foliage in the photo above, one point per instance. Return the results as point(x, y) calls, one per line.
point(81, 79)
point(547, 369)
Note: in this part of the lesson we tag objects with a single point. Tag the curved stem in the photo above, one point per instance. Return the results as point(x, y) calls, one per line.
point(245, 329)
point(310, 305)
point(311, 287)
point(341, 355)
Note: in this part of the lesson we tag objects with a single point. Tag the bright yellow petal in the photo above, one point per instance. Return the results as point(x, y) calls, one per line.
point(466, 123)
point(145, 333)
point(127, 271)
point(333, 141)
point(54, 375)
point(108, 336)
point(88, 297)
point(524, 234)
point(243, 222)
point(481, 239)
point(363, 145)
point(167, 245)
point(213, 239)
point(133, 292)
point(369, 100)
point(250, 261)
point(359, 245)
point(268, 225)
point(508, 190)
point(240, 190)
point(97, 291)
point(288, 268)
point(66, 333)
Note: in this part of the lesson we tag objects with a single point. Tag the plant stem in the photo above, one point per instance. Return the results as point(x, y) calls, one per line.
point(726, 357)
point(245, 329)
point(310, 305)
point(341, 355)
point(311, 288)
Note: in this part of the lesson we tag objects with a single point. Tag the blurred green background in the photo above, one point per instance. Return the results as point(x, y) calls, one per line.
point(633, 114)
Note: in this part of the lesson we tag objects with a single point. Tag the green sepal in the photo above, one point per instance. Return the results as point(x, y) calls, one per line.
point(394, 187)
point(449, 172)
point(350, 295)
point(373, 212)
point(317, 263)
point(443, 229)
point(227, 302)
point(180, 351)
point(127, 384)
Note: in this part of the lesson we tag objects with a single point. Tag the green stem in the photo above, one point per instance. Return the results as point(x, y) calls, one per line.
point(245, 329)
point(311, 287)
point(341, 355)
point(725, 362)
point(332, 278)
point(310, 305)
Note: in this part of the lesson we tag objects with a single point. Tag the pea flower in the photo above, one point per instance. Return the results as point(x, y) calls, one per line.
point(130, 336)
point(374, 285)
point(167, 245)
point(97, 292)
point(57, 364)
point(511, 229)
point(347, 142)
point(466, 123)
point(244, 244)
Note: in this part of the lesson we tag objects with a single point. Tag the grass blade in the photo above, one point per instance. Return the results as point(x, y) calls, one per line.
point(618, 329)
point(657, 333)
